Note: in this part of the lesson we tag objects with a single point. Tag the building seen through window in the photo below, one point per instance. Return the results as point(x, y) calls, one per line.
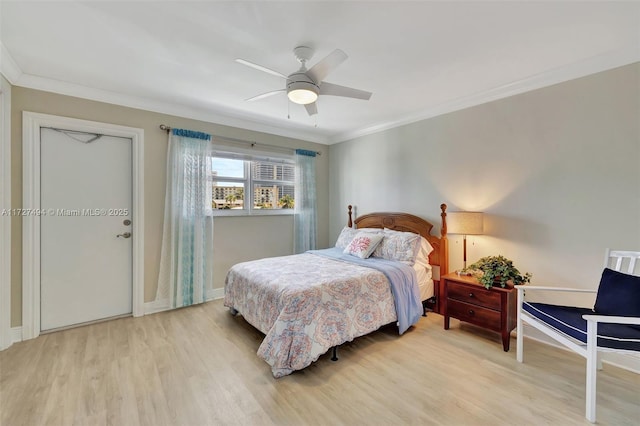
point(252, 185)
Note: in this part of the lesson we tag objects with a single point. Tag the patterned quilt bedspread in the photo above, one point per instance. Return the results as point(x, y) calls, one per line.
point(305, 304)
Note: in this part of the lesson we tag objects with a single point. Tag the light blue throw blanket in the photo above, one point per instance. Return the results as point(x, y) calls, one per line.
point(404, 286)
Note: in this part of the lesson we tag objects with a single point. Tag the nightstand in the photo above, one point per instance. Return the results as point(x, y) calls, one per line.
point(467, 300)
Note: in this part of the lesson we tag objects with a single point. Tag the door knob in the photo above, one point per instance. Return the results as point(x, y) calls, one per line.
point(125, 235)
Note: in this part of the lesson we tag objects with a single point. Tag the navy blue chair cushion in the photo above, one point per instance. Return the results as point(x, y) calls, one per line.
point(618, 294)
point(568, 320)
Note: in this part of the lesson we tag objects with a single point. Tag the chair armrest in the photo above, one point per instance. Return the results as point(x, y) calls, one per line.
point(521, 288)
point(612, 319)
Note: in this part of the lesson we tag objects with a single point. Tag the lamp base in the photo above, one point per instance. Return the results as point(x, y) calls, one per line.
point(464, 251)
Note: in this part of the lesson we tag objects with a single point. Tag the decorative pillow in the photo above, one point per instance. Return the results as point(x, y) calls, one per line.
point(399, 246)
point(618, 294)
point(347, 234)
point(363, 244)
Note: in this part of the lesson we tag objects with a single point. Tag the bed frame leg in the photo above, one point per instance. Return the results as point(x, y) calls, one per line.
point(233, 311)
point(428, 305)
point(334, 356)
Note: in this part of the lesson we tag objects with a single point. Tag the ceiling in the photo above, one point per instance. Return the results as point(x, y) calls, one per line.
point(419, 58)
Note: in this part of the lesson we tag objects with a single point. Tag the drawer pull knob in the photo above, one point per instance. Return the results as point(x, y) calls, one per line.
point(471, 295)
point(470, 311)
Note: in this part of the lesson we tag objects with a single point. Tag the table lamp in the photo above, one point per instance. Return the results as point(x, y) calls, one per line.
point(464, 223)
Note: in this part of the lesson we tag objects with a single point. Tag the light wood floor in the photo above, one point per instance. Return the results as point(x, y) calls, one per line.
point(198, 366)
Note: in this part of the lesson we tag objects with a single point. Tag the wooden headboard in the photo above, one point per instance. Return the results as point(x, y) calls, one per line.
point(409, 223)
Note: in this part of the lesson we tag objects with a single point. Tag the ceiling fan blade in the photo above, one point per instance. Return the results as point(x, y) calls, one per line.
point(312, 108)
point(260, 68)
point(265, 95)
point(319, 71)
point(347, 92)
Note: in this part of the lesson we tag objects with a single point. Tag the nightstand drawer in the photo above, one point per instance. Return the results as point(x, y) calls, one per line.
point(473, 294)
point(474, 314)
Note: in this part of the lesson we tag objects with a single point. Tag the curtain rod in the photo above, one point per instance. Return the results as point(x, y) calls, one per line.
point(168, 129)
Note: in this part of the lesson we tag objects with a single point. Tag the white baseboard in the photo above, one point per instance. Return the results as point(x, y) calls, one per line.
point(626, 361)
point(629, 362)
point(16, 334)
point(216, 293)
point(156, 306)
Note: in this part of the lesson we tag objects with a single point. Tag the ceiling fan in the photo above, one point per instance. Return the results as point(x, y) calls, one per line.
point(305, 85)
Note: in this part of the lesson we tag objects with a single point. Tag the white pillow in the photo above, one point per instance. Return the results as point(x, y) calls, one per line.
point(399, 246)
point(347, 234)
point(422, 258)
point(363, 244)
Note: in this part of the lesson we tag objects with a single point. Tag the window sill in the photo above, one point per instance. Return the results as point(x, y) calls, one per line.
point(245, 213)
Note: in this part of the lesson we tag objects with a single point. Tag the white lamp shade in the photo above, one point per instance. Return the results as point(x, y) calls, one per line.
point(465, 223)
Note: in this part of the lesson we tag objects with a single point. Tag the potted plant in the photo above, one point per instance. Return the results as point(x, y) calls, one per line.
point(491, 270)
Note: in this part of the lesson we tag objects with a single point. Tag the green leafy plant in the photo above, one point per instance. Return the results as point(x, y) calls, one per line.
point(286, 202)
point(491, 270)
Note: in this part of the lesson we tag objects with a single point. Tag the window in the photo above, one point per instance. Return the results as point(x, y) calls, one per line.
point(242, 186)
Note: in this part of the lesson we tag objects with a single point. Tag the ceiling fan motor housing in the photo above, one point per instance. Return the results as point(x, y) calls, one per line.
point(301, 89)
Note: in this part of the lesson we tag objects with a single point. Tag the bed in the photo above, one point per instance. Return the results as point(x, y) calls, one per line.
point(308, 303)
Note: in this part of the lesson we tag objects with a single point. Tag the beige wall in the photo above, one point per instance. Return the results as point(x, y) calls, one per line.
point(236, 238)
point(557, 170)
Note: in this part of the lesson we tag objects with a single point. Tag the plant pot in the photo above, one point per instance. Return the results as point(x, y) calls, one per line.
point(497, 283)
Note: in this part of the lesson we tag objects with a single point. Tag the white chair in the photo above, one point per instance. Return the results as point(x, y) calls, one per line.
point(613, 324)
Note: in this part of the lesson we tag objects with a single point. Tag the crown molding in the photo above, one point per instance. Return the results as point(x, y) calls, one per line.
point(16, 77)
point(588, 66)
point(606, 61)
point(138, 102)
point(8, 66)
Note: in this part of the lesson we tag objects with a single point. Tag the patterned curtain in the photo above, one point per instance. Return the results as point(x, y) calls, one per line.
point(305, 222)
point(187, 240)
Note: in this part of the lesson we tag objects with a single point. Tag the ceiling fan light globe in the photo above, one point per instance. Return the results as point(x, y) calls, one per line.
point(302, 96)
point(301, 89)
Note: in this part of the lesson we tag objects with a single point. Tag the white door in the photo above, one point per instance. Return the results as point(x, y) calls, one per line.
point(85, 201)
